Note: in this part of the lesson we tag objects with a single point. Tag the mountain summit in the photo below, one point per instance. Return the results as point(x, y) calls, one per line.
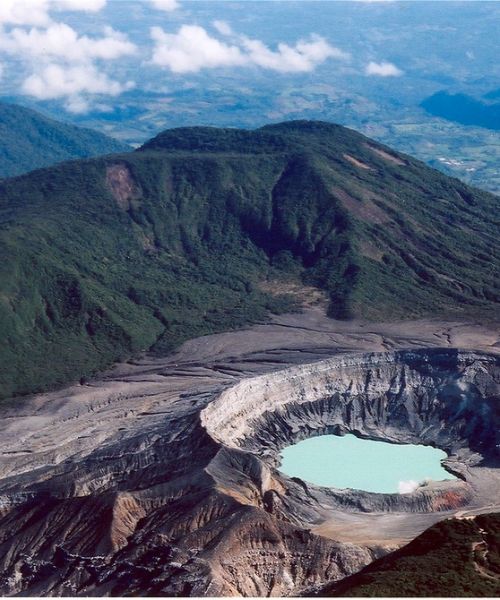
point(206, 229)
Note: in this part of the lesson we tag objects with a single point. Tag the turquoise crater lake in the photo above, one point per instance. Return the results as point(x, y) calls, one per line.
point(351, 462)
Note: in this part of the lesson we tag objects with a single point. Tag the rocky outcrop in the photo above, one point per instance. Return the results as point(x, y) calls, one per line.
point(402, 397)
point(122, 185)
point(145, 485)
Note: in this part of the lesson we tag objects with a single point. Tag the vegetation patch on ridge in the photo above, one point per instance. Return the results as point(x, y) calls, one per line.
point(455, 558)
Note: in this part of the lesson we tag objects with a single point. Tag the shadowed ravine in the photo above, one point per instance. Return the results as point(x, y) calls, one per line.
point(160, 477)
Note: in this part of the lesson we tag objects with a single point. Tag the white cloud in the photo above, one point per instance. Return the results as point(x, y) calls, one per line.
point(79, 5)
point(55, 81)
point(24, 12)
point(166, 5)
point(59, 62)
point(61, 41)
point(192, 49)
point(304, 56)
point(36, 12)
point(223, 27)
point(407, 487)
point(383, 69)
point(77, 105)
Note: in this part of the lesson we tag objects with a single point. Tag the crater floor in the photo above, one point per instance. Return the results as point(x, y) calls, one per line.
point(160, 476)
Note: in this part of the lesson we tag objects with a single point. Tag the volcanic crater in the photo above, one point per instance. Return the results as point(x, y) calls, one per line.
point(161, 477)
point(442, 398)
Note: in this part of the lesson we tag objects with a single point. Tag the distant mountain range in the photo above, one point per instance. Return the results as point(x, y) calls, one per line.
point(464, 109)
point(204, 229)
point(29, 140)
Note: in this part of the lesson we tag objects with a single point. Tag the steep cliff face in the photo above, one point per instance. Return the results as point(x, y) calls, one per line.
point(441, 398)
point(402, 396)
point(187, 499)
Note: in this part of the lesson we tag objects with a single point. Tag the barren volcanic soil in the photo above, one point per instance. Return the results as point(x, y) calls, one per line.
point(160, 476)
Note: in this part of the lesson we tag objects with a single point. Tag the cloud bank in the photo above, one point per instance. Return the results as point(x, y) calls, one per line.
point(50, 60)
point(37, 12)
point(62, 42)
point(73, 83)
point(383, 69)
point(192, 48)
point(59, 62)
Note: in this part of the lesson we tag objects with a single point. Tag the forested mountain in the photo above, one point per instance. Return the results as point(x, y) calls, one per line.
point(29, 140)
point(203, 229)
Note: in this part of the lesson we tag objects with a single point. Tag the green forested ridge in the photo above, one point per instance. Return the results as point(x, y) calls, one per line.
point(102, 258)
point(455, 558)
point(29, 140)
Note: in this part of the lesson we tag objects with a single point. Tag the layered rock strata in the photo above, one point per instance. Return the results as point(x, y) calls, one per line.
point(441, 398)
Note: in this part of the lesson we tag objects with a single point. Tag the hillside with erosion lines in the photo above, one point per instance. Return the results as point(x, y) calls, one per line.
point(205, 230)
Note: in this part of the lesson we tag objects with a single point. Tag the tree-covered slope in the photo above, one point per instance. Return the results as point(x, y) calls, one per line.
point(103, 258)
point(29, 140)
point(455, 558)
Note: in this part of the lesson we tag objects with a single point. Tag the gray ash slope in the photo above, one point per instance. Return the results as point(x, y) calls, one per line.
point(156, 479)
